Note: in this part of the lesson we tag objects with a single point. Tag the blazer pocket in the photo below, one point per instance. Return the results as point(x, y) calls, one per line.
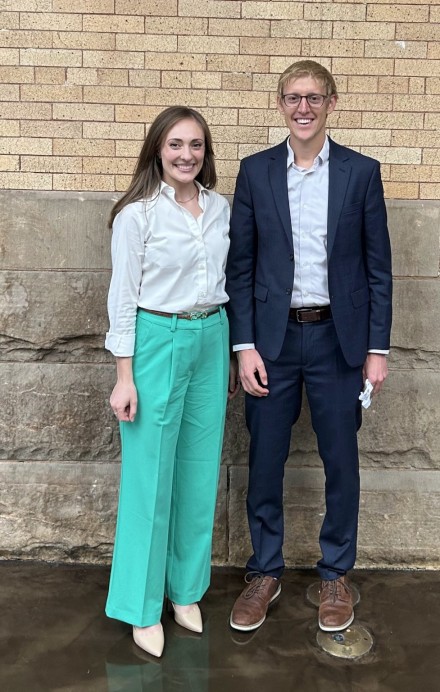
point(260, 292)
point(360, 297)
point(351, 208)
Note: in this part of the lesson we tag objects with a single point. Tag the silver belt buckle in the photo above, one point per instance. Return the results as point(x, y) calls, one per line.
point(198, 314)
point(299, 312)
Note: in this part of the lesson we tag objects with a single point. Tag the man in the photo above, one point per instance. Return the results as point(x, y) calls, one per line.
point(309, 281)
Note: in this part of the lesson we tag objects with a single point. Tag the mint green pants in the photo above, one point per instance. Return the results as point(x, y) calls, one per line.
point(170, 465)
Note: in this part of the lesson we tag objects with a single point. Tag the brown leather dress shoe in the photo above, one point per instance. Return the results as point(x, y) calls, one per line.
point(250, 608)
point(336, 605)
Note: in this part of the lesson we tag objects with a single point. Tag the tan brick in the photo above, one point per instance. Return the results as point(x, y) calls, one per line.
point(427, 103)
point(40, 111)
point(391, 121)
point(25, 145)
point(147, 43)
point(226, 151)
point(418, 68)
point(101, 183)
point(100, 165)
point(395, 154)
point(226, 186)
point(363, 30)
point(433, 50)
point(279, 64)
point(134, 114)
point(223, 133)
point(268, 46)
point(74, 39)
point(156, 61)
point(250, 149)
point(51, 164)
point(127, 148)
point(238, 63)
point(49, 75)
point(397, 13)
point(81, 75)
point(363, 137)
point(432, 121)
point(144, 78)
point(113, 131)
point(9, 128)
point(10, 92)
point(342, 83)
point(147, 7)
point(122, 182)
point(401, 190)
point(277, 135)
point(113, 94)
point(431, 157)
point(51, 21)
point(429, 191)
point(220, 116)
point(84, 6)
point(9, 163)
point(9, 20)
point(9, 56)
point(113, 59)
point(185, 97)
point(63, 58)
point(49, 128)
point(394, 85)
point(416, 32)
point(339, 12)
point(238, 99)
point(227, 169)
point(210, 8)
point(341, 119)
point(127, 24)
point(312, 47)
point(117, 77)
point(25, 39)
point(26, 181)
point(27, 5)
point(363, 66)
point(272, 10)
point(206, 80)
point(16, 75)
point(208, 44)
point(176, 80)
point(39, 92)
point(264, 82)
point(433, 85)
point(237, 82)
point(396, 49)
point(417, 85)
point(421, 173)
point(253, 116)
point(301, 29)
point(83, 147)
point(245, 27)
point(414, 138)
point(177, 25)
point(360, 102)
point(361, 85)
point(82, 111)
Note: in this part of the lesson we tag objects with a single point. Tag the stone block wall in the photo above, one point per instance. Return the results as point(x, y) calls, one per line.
point(59, 445)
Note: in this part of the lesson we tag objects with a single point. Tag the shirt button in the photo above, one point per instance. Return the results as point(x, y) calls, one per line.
point(288, 291)
point(292, 257)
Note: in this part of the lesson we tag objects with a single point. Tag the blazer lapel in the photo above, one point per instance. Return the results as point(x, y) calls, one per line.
point(278, 183)
point(339, 175)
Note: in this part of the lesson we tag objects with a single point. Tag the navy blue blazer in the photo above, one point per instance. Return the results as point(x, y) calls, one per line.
point(261, 263)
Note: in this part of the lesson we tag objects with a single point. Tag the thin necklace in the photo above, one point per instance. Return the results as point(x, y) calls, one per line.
point(184, 201)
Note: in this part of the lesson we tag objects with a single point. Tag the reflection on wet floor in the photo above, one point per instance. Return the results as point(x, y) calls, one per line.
point(54, 636)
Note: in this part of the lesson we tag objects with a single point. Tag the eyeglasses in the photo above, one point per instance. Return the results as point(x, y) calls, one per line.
point(294, 100)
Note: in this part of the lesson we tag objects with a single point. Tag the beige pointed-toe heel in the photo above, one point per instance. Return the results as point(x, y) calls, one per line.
point(151, 641)
point(190, 618)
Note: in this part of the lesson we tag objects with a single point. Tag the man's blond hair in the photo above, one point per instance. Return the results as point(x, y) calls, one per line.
point(308, 68)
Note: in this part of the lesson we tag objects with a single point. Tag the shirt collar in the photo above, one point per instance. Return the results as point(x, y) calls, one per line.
point(170, 190)
point(322, 157)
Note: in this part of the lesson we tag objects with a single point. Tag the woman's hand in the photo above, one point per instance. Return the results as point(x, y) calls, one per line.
point(123, 399)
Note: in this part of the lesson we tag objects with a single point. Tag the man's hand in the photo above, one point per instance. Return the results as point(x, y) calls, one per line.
point(234, 381)
point(252, 372)
point(376, 370)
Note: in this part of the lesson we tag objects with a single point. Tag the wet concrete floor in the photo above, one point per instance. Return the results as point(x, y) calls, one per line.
point(54, 636)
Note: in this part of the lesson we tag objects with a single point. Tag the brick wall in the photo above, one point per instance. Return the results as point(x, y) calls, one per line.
point(81, 81)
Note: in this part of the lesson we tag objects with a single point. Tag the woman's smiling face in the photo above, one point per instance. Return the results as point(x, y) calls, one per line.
point(182, 153)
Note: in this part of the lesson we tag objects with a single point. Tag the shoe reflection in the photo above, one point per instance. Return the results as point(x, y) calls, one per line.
point(183, 665)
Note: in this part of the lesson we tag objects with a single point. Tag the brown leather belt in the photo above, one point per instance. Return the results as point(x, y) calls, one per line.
point(314, 314)
point(192, 315)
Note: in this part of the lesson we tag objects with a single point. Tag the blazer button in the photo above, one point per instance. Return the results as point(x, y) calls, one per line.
point(288, 291)
point(292, 257)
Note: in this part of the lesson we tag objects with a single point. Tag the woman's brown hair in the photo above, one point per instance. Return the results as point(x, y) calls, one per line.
point(147, 175)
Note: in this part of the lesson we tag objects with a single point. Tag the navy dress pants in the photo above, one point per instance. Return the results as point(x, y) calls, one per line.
point(311, 356)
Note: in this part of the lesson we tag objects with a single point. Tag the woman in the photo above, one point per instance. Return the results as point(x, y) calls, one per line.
point(169, 333)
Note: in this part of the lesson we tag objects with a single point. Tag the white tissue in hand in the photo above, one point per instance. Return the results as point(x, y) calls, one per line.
point(365, 395)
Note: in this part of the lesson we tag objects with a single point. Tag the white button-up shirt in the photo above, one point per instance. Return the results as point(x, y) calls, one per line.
point(164, 259)
point(308, 202)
